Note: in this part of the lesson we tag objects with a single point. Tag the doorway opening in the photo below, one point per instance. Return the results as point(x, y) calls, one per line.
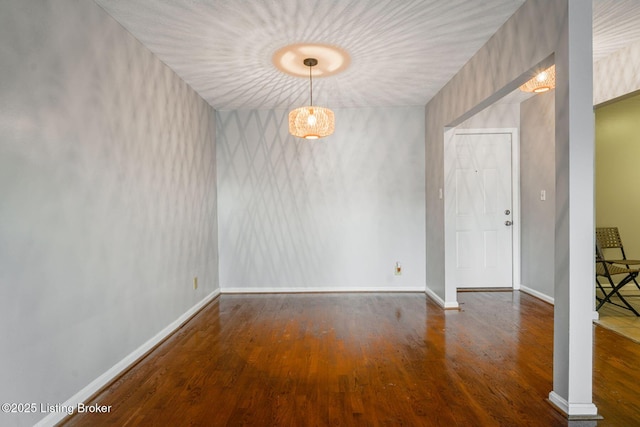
point(482, 208)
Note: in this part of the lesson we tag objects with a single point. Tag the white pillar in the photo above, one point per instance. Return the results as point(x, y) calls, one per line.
point(574, 265)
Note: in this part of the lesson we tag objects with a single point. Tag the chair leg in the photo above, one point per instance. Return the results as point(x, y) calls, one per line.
point(615, 291)
point(634, 279)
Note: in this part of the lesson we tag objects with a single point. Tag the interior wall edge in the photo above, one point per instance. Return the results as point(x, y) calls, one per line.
point(322, 290)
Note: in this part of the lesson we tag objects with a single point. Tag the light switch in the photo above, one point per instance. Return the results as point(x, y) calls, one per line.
point(543, 195)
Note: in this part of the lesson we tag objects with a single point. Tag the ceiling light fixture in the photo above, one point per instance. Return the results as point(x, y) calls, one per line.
point(543, 82)
point(311, 122)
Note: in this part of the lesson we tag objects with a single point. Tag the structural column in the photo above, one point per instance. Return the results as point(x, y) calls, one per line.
point(574, 233)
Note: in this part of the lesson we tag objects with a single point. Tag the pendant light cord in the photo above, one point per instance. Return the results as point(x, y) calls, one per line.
point(311, 84)
point(310, 62)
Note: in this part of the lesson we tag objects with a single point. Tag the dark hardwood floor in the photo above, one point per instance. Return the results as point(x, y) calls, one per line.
point(364, 360)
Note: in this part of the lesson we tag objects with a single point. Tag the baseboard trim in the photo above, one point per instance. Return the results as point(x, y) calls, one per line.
point(537, 294)
point(120, 367)
point(296, 290)
point(574, 411)
point(451, 305)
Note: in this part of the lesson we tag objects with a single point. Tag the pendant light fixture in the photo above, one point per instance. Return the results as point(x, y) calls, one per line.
point(543, 82)
point(311, 122)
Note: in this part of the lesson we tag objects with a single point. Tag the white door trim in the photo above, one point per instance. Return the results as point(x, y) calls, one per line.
point(449, 224)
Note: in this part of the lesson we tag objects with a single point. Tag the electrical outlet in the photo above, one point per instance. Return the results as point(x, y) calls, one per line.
point(398, 269)
point(195, 282)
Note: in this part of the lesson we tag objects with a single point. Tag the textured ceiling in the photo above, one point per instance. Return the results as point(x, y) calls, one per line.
point(616, 23)
point(402, 52)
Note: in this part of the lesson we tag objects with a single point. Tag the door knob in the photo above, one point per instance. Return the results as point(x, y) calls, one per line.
point(508, 223)
point(507, 212)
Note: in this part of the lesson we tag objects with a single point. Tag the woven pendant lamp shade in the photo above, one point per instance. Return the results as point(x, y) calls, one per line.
point(311, 122)
point(543, 82)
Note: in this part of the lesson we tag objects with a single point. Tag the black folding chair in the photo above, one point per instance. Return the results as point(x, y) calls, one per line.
point(609, 238)
point(608, 270)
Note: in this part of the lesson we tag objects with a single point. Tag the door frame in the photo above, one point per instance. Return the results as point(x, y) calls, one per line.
point(451, 299)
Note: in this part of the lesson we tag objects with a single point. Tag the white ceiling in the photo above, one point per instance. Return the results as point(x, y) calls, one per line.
point(402, 52)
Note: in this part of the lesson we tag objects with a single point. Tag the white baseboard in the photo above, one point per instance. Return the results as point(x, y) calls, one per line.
point(574, 411)
point(537, 294)
point(451, 305)
point(55, 417)
point(293, 290)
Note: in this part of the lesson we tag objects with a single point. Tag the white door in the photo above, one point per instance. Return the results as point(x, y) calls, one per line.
point(483, 210)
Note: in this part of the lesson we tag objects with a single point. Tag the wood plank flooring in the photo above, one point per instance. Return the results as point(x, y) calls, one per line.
point(621, 320)
point(364, 360)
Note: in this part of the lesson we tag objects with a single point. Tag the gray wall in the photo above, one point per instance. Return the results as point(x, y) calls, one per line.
point(108, 199)
point(495, 116)
point(537, 172)
point(331, 214)
point(527, 39)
